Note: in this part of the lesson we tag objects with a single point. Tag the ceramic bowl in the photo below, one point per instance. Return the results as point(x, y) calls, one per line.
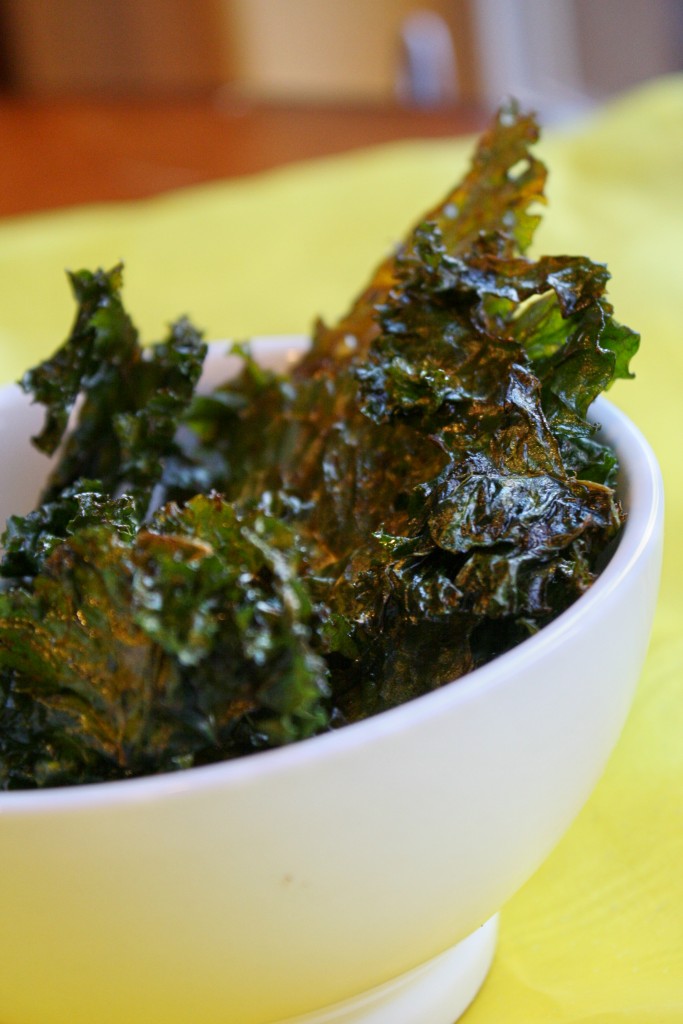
point(354, 877)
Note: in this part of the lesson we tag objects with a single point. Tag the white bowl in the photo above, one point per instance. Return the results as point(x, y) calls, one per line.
point(335, 880)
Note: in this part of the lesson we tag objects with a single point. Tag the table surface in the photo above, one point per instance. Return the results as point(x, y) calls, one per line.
point(60, 152)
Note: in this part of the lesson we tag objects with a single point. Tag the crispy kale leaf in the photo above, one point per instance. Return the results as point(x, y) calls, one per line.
point(189, 642)
point(209, 576)
point(131, 398)
point(498, 194)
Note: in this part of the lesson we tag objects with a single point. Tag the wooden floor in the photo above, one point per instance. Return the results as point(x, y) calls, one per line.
point(57, 153)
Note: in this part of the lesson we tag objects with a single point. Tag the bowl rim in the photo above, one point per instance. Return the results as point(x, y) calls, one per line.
point(643, 528)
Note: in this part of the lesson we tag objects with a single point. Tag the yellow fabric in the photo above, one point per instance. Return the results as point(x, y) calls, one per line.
point(597, 934)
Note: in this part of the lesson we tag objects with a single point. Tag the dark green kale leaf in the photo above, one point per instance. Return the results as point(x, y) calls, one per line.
point(189, 642)
point(29, 540)
point(112, 460)
point(239, 612)
point(508, 530)
point(246, 414)
point(72, 646)
point(102, 339)
point(132, 398)
point(504, 183)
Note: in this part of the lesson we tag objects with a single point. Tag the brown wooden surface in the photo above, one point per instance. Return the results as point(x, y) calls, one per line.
point(91, 47)
point(58, 153)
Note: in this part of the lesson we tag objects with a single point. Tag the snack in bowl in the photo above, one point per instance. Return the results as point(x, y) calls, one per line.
point(421, 499)
point(421, 493)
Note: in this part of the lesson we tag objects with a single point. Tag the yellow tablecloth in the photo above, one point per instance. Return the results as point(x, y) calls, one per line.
point(597, 934)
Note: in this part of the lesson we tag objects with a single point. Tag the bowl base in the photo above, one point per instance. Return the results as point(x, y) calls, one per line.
point(436, 992)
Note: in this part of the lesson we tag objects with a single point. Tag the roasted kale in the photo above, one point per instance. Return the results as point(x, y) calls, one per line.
point(209, 575)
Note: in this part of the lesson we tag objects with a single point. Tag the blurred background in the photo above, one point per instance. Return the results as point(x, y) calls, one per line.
point(561, 56)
